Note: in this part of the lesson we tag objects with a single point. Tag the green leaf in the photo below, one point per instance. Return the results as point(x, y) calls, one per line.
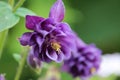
point(17, 57)
point(24, 11)
point(7, 18)
point(4, 5)
point(64, 74)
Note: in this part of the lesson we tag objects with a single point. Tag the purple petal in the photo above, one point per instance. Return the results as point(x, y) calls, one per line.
point(45, 58)
point(60, 57)
point(24, 40)
point(52, 54)
point(67, 41)
point(47, 24)
point(86, 72)
point(35, 50)
point(65, 28)
point(89, 64)
point(57, 11)
point(72, 63)
point(80, 67)
point(81, 59)
point(90, 57)
point(39, 41)
point(66, 51)
point(58, 33)
point(32, 21)
point(33, 37)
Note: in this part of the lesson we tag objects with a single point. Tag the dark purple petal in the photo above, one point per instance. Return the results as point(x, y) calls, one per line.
point(44, 57)
point(58, 33)
point(80, 67)
point(35, 50)
point(44, 33)
point(32, 21)
point(57, 11)
point(47, 24)
point(42, 54)
point(52, 54)
point(32, 40)
point(24, 40)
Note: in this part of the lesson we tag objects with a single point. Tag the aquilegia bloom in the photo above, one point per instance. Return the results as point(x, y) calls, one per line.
point(84, 62)
point(2, 77)
point(51, 39)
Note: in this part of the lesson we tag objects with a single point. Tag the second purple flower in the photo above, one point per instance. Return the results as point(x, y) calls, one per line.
point(85, 61)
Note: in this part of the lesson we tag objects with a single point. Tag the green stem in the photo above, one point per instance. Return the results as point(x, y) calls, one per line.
point(21, 64)
point(11, 2)
point(3, 36)
point(18, 5)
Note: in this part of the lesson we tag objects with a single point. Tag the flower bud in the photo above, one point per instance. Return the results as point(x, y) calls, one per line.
point(2, 77)
point(33, 61)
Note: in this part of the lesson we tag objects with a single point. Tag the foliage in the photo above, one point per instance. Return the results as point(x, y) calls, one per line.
point(96, 21)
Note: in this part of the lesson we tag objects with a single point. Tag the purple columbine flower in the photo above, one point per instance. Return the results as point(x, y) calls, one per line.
point(84, 62)
point(2, 77)
point(51, 39)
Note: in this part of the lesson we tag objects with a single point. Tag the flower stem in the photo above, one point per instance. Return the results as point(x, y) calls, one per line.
point(11, 2)
point(21, 64)
point(20, 2)
point(3, 36)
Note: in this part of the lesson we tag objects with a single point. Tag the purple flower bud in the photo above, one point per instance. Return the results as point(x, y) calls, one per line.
point(2, 77)
point(33, 62)
point(51, 39)
point(84, 62)
point(57, 11)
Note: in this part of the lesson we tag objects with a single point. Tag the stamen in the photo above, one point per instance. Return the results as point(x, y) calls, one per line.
point(93, 70)
point(56, 46)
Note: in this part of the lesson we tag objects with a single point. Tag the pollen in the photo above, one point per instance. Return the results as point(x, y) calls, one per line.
point(56, 46)
point(93, 70)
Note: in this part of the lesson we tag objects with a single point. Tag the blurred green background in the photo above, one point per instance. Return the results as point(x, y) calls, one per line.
point(95, 21)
